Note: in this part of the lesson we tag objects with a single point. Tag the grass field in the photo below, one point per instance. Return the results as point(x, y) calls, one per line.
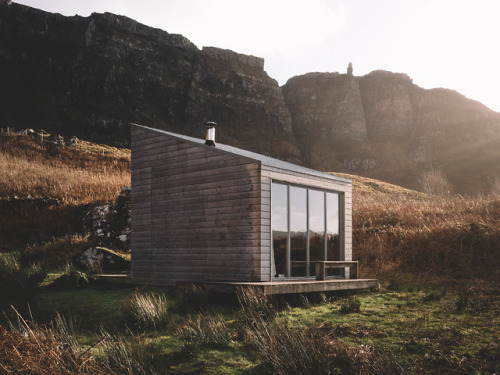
point(436, 257)
point(401, 329)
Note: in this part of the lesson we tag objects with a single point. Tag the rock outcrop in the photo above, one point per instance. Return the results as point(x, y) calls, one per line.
point(98, 259)
point(109, 225)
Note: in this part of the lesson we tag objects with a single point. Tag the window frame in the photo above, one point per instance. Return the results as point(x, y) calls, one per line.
point(341, 219)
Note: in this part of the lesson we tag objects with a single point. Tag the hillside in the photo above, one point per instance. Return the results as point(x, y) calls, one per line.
point(92, 76)
point(436, 259)
point(397, 231)
point(47, 187)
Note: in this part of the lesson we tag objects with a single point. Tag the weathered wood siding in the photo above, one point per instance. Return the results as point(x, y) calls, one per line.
point(195, 212)
point(344, 188)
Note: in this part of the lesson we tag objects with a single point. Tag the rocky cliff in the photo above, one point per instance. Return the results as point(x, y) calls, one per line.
point(92, 76)
point(382, 125)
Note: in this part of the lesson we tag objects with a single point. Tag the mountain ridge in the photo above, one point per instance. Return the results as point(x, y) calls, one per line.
point(92, 76)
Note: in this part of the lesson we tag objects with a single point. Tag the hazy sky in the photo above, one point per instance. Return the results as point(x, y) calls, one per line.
point(439, 43)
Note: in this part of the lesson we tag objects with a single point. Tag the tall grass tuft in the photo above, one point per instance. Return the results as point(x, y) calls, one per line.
point(203, 330)
point(129, 355)
point(28, 348)
point(284, 350)
point(147, 310)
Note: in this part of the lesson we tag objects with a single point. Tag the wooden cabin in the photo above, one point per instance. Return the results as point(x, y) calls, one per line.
point(220, 215)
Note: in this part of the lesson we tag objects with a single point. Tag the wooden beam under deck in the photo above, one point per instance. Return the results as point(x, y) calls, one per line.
point(285, 287)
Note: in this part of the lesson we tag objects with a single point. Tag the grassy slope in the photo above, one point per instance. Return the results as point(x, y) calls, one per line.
point(396, 230)
point(45, 188)
point(400, 235)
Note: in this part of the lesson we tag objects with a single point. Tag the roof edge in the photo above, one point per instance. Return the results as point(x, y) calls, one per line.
point(249, 155)
point(195, 141)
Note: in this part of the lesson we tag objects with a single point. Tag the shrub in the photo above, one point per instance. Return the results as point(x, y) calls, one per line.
point(350, 304)
point(472, 299)
point(147, 309)
point(434, 182)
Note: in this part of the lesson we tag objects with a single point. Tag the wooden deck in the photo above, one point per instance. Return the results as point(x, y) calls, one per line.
point(271, 287)
point(286, 286)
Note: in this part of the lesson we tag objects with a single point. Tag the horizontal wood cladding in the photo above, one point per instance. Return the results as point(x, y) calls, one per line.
point(199, 213)
point(203, 219)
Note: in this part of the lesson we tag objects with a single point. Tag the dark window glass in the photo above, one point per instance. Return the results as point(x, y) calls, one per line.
point(333, 231)
point(279, 225)
point(298, 230)
point(316, 227)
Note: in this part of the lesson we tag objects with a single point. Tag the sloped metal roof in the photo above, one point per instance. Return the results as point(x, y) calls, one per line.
point(263, 159)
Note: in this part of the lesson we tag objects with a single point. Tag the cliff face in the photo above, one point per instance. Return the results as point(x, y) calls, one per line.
point(382, 125)
point(234, 90)
point(92, 76)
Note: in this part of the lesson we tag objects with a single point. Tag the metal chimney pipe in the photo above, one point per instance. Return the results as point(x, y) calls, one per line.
point(210, 134)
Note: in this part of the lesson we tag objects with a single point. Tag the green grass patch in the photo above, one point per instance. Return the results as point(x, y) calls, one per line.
point(418, 331)
point(91, 307)
point(423, 333)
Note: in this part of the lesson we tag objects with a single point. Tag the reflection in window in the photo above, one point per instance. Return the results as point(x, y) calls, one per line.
point(305, 229)
point(279, 224)
point(298, 230)
point(333, 231)
point(316, 226)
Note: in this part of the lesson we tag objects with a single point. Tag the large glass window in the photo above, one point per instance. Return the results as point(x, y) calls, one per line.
point(279, 225)
point(316, 226)
point(305, 228)
point(298, 230)
point(333, 232)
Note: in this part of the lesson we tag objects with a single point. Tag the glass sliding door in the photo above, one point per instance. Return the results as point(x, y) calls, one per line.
point(316, 227)
point(305, 225)
point(298, 231)
point(279, 226)
point(333, 249)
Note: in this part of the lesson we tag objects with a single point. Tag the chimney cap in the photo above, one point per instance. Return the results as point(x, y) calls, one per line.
point(210, 134)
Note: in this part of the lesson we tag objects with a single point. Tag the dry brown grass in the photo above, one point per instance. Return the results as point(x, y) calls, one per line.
point(33, 349)
point(78, 174)
point(74, 177)
point(398, 230)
